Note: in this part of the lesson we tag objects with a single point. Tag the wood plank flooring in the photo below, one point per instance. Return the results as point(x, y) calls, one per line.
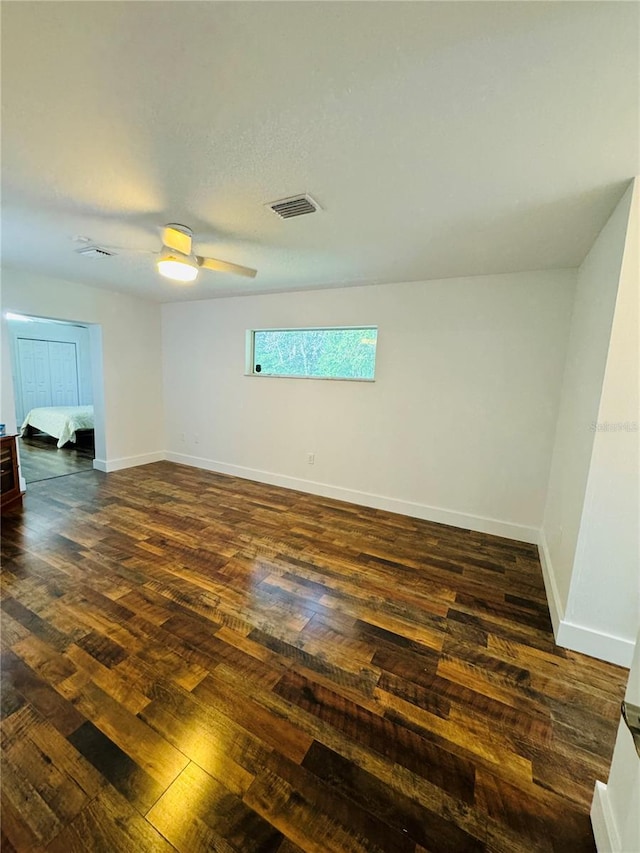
point(42, 459)
point(196, 662)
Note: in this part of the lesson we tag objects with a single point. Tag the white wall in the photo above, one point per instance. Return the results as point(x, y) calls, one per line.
point(605, 584)
point(79, 335)
point(127, 381)
point(458, 426)
point(591, 323)
point(7, 400)
point(590, 530)
point(614, 813)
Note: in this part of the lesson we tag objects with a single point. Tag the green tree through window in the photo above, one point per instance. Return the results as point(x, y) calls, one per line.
point(339, 353)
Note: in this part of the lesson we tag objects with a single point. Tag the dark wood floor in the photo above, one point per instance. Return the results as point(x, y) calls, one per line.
point(42, 459)
point(205, 663)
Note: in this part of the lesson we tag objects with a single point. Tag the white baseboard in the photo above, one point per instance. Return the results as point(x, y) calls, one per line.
point(579, 638)
point(604, 826)
point(21, 479)
point(519, 532)
point(556, 608)
point(596, 644)
point(108, 465)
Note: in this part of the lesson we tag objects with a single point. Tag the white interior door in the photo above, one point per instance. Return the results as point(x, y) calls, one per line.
point(34, 374)
point(63, 368)
point(47, 374)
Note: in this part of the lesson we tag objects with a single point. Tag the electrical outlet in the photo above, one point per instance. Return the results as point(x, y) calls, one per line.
point(182, 439)
point(311, 458)
point(196, 438)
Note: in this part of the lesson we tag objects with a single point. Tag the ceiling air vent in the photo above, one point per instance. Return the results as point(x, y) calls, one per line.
point(297, 205)
point(95, 252)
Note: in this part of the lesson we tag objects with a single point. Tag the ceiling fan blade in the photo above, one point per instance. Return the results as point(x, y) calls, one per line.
point(128, 250)
point(223, 266)
point(176, 240)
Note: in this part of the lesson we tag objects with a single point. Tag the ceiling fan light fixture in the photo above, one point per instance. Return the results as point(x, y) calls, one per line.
point(177, 268)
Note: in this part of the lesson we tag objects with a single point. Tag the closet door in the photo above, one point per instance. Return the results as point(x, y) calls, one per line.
point(34, 373)
point(63, 368)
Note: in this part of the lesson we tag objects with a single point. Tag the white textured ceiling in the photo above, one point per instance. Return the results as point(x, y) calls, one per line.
point(441, 138)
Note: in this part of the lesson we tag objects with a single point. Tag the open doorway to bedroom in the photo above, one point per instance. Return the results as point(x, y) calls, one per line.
point(53, 380)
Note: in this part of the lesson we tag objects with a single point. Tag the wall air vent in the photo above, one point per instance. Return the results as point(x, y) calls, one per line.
point(297, 205)
point(95, 252)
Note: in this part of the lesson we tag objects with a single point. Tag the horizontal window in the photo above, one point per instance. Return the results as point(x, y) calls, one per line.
point(328, 353)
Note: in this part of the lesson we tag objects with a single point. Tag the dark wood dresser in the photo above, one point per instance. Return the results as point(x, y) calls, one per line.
point(10, 494)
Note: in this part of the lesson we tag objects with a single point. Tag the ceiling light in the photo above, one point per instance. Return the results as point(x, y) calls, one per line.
point(177, 267)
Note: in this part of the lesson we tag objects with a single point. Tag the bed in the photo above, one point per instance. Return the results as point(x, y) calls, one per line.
point(62, 422)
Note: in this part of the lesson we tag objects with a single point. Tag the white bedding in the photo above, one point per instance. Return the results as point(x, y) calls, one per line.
point(60, 421)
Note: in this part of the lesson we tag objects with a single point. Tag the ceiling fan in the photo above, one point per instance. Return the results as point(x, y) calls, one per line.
point(178, 262)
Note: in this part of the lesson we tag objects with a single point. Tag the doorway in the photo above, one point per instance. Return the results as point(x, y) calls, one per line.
point(53, 395)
